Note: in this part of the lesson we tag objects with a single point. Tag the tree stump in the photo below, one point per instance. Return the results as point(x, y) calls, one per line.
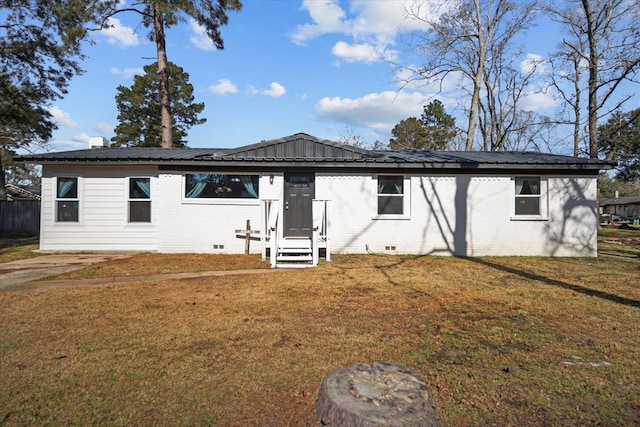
point(380, 394)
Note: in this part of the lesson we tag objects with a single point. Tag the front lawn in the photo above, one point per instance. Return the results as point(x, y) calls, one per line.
point(15, 248)
point(500, 341)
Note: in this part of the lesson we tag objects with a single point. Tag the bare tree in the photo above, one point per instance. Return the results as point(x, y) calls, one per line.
point(565, 73)
point(350, 136)
point(465, 39)
point(503, 122)
point(603, 36)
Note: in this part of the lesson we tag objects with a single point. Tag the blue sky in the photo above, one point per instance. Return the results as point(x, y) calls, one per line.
point(317, 66)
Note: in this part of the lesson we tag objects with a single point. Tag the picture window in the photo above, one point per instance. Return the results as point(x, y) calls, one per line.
point(221, 186)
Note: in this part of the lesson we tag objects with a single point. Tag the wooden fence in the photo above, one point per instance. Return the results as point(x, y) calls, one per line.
point(20, 218)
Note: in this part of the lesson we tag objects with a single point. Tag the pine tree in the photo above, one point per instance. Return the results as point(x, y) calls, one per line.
point(162, 14)
point(40, 43)
point(139, 109)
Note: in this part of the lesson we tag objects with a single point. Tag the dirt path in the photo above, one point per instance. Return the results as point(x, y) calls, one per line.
point(25, 274)
point(30, 269)
point(25, 286)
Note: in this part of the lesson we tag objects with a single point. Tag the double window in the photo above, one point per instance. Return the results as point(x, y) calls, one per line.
point(221, 186)
point(391, 195)
point(67, 201)
point(139, 200)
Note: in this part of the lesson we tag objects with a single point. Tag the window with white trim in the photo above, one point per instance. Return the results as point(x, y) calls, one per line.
point(221, 186)
point(528, 196)
point(67, 201)
point(139, 199)
point(391, 195)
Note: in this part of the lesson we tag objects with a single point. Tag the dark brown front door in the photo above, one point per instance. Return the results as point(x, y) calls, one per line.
point(299, 191)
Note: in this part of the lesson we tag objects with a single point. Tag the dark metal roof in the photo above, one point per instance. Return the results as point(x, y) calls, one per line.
point(308, 151)
point(626, 200)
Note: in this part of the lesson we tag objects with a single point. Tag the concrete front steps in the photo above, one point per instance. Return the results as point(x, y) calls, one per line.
point(294, 252)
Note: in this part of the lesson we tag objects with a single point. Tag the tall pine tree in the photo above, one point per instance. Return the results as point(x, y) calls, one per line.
point(158, 15)
point(139, 109)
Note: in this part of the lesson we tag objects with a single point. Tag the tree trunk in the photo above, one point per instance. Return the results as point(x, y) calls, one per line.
point(576, 107)
point(163, 76)
point(473, 112)
point(3, 182)
point(477, 79)
point(380, 394)
point(593, 81)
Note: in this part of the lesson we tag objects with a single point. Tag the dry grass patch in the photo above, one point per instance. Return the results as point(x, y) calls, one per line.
point(500, 341)
point(15, 248)
point(151, 264)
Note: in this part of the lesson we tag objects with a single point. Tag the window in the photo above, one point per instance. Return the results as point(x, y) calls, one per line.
point(390, 195)
point(220, 186)
point(139, 199)
point(67, 199)
point(527, 196)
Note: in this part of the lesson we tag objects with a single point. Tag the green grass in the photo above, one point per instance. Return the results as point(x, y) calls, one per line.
point(631, 231)
point(12, 249)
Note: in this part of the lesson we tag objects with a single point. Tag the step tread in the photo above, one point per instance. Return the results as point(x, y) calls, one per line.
point(294, 250)
point(294, 265)
point(294, 258)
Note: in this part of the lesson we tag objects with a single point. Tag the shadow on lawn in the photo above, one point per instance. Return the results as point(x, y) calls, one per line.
point(383, 269)
point(553, 282)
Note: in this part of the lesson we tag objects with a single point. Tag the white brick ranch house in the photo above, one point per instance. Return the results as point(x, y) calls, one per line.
point(305, 197)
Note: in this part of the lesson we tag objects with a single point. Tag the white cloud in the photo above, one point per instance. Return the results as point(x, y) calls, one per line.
point(118, 34)
point(103, 127)
point(379, 111)
point(390, 17)
point(327, 16)
point(81, 138)
point(532, 64)
point(275, 90)
point(78, 142)
point(372, 25)
point(451, 85)
point(199, 38)
point(126, 72)
point(537, 100)
point(62, 117)
point(224, 86)
point(365, 52)
point(65, 145)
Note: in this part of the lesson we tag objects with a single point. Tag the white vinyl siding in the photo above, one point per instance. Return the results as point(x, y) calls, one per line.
point(103, 211)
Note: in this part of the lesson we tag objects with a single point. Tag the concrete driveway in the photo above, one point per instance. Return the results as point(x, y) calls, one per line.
point(27, 270)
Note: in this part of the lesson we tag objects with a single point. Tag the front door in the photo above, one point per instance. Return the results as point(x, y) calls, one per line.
point(299, 191)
